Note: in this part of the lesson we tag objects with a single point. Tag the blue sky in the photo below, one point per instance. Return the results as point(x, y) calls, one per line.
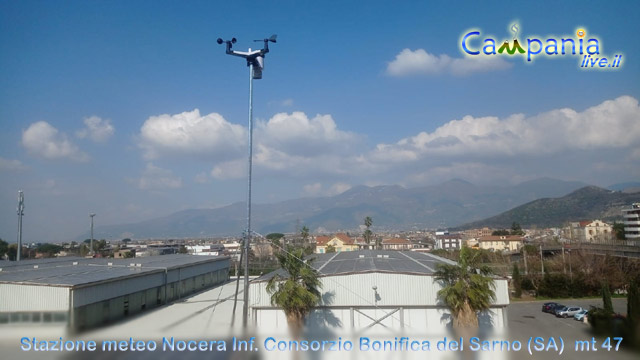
point(98, 103)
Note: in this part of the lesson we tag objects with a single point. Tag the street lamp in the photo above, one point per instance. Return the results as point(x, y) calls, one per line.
point(20, 211)
point(91, 244)
point(255, 62)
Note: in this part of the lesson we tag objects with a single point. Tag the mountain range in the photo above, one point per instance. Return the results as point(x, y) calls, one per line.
point(587, 203)
point(391, 207)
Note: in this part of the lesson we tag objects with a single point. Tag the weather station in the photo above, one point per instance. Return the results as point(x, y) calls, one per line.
point(255, 62)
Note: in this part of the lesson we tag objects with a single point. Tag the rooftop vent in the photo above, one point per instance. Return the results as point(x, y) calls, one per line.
point(361, 256)
point(75, 263)
point(110, 264)
point(35, 266)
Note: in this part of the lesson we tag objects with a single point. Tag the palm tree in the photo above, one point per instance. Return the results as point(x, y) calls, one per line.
point(367, 233)
point(467, 288)
point(296, 293)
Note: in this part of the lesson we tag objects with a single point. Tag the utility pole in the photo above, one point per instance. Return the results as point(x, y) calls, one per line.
point(20, 214)
point(564, 266)
point(255, 62)
point(524, 255)
point(541, 260)
point(91, 244)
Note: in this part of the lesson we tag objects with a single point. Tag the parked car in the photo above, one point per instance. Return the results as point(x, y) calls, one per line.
point(581, 315)
point(549, 307)
point(557, 308)
point(568, 311)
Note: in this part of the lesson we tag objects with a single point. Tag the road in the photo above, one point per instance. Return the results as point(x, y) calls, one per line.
point(526, 320)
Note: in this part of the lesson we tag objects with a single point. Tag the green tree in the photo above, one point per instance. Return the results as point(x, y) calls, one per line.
point(367, 233)
point(4, 248)
point(467, 288)
point(12, 252)
point(183, 250)
point(633, 303)
point(516, 229)
point(330, 249)
point(606, 297)
point(500, 232)
point(296, 293)
point(304, 233)
point(618, 229)
point(517, 281)
point(49, 249)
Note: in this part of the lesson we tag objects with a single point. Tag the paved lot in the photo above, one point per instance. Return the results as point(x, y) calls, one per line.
point(526, 319)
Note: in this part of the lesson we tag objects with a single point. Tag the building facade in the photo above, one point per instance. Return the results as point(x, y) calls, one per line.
point(375, 291)
point(632, 222)
point(449, 241)
point(340, 242)
point(509, 243)
point(86, 293)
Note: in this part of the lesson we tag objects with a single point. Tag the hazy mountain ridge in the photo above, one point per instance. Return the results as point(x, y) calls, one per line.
point(451, 203)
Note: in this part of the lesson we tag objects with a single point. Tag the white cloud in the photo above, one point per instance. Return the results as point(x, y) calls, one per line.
point(11, 165)
point(156, 178)
point(189, 133)
point(287, 102)
point(201, 178)
point(234, 169)
point(43, 140)
point(314, 189)
point(611, 124)
point(338, 188)
point(296, 133)
point(317, 189)
point(96, 129)
point(420, 62)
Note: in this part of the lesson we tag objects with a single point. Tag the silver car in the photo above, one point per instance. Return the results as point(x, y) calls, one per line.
point(567, 311)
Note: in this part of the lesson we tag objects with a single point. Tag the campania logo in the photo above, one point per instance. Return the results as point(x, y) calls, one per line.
point(586, 48)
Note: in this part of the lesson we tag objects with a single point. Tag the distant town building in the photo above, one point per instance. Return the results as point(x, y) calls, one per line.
point(632, 222)
point(477, 233)
point(511, 243)
point(396, 244)
point(449, 241)
point(211, 250)
point(591, 231)
point(340, 242)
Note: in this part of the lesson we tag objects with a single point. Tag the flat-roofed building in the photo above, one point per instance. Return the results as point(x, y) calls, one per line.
point(86, 293)
point(370, 291)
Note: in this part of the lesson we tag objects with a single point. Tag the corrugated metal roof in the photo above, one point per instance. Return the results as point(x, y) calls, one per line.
point(74, 271)
point(364, 261)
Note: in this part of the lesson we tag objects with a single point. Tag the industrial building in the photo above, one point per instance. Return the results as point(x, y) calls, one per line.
point(376, 291)
point(86, 293)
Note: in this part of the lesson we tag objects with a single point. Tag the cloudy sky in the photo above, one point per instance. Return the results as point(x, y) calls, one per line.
point(131, 110)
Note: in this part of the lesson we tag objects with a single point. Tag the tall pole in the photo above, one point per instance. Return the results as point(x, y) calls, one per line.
point(524, 255)
point(91, 244)
point(20, 214)
point(245, 308)
point(541, 260)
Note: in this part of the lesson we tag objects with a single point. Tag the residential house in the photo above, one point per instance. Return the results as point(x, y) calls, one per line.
point(449, 241)
point(510, 243)
point(591, 231)
point(341, 242)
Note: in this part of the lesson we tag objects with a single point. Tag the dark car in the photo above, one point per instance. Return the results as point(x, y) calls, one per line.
point(549, 307)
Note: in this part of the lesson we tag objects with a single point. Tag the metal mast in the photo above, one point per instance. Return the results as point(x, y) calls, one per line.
point(91, 244)
point(255, 61)
point(20, 211)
